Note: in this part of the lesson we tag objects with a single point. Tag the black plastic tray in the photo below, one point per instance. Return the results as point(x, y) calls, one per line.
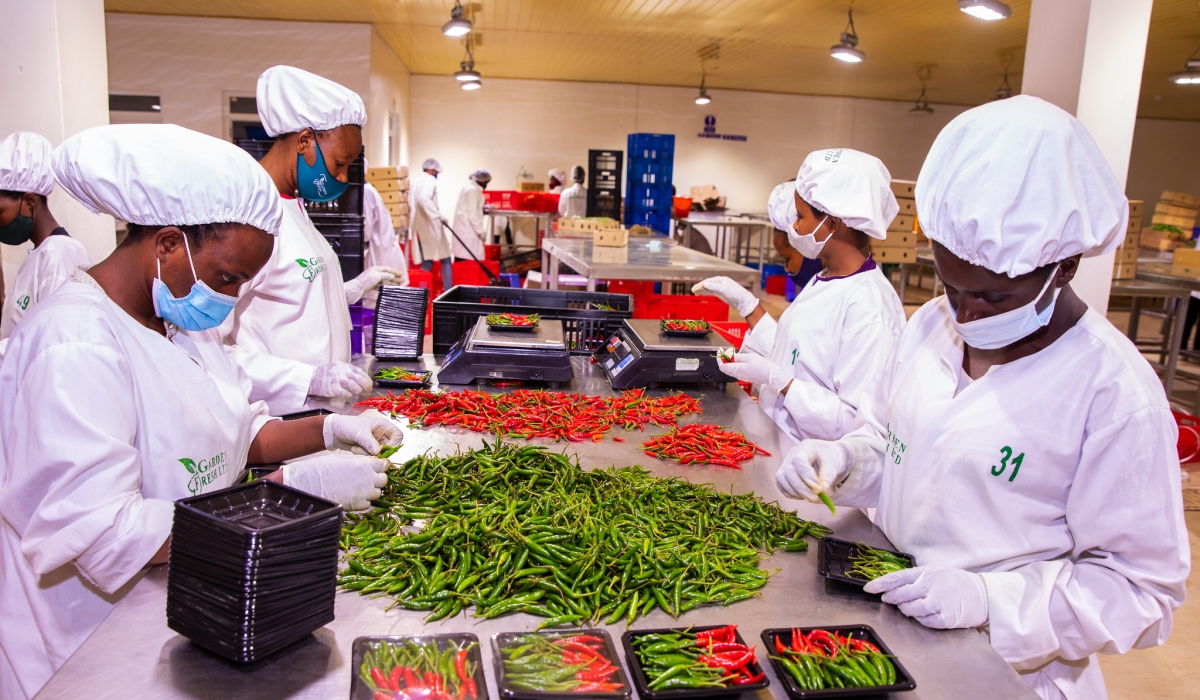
point(259, 507)
point(642, 683)
point(399, 326)
point(904, 681)
point(519, 329)
point(359, 690)
point(506, 691)
point(685, 334)
point(404, 383)
point(833, 560)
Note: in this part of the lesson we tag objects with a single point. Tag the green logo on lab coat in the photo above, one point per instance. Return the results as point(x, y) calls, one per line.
point(311, 267)
point(204, 472)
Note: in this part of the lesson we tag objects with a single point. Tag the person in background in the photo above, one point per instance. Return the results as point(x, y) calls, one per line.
point(1028, 460)
point(469, 222)
point(290, 329)
point(556, 179)
point(25, 181)
point(573, 200)
point(433, 238)
point(383, 246)
point(118, 397)
point(821, 369)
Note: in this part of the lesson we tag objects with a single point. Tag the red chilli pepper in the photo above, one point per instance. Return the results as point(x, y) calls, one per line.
point(380, 679)
point(460, 664)
point(746, 680)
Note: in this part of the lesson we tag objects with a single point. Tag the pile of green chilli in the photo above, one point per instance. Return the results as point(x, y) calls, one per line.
point(511, 528)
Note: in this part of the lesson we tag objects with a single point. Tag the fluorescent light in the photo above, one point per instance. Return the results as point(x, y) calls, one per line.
point(467, 75)
point(703, 98)
point(986, 10)
point(847, 53)
point(457, 26)
point(472, 85)
point(1186, 77)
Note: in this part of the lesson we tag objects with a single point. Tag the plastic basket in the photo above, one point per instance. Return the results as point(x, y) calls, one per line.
point(733, 331)
point(681, 306)
point(650, 197)
point(1189, 436)
point(776, 284)
point(491, 252)
point(502, 199)
point(467, 272)
point(344, 233)
point(635, 288)
point(651, 172)
point(585, 327)
point(681, 207)
point(651, 146)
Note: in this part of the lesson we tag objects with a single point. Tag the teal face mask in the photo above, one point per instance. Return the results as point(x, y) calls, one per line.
point(315, 182)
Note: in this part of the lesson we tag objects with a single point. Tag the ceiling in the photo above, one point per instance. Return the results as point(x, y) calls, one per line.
point(767, 45)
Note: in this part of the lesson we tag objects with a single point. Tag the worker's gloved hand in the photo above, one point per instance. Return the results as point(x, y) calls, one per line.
point(729, 292)
point(814, 466)
point(941, 597)
point(371, 278)
point(366, 433)
point(338, 380)
point(352, 481)
point(756, 369)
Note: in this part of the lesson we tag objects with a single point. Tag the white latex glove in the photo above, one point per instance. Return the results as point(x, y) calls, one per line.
point(729, 292)
point(362, 434)
point(350, 480)
point(941, 597)
point(339, 380)
point(371, 278)
point(814, 466)
point(756, 369)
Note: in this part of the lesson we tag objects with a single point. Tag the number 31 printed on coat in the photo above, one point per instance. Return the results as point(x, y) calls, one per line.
point(1006, 454)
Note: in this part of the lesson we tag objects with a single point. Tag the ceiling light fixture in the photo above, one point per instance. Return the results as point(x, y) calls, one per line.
point(1191, 76)
point(1005, 90)
point(921, 106)
point(845, 50)
point(467, 72)
point(472, 85)
point(986, 10)
point(703, 98)
point(457, 26)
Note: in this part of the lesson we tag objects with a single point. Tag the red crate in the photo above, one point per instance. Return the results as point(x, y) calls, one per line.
point(733, 331)
point(467, 272)
point(537, 201)
point(630, 287)
point(491, 252)
point(777, 284)
point(680, 306)
point(420, 278)
point(503, 199)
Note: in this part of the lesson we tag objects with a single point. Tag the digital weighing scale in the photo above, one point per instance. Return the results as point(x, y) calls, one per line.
point(639, 354)
point(486, 354)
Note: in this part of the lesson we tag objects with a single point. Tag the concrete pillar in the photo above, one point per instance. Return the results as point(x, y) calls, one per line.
point(54, 78)
point(1086, 56)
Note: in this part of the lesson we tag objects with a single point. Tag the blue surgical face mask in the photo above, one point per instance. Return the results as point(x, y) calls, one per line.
point(200, 310)
point(1004, 329)
point(315, 182)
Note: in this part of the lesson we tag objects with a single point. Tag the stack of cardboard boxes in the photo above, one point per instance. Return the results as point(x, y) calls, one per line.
point(1174, 209)
point(900, 246)
point(392, 184)
point(1125, 265)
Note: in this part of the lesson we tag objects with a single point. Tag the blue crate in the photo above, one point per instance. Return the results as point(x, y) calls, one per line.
point(658, 221)
point(650, 172)
point(651, 146)
point(654, 197)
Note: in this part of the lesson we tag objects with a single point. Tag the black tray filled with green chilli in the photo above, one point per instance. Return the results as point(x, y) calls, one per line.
point(835, 560)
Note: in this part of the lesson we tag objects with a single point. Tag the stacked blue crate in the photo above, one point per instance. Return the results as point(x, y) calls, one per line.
point(651, 159)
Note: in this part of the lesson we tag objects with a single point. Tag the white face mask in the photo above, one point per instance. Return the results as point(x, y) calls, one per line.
point(808, 245)
point(1007, 328)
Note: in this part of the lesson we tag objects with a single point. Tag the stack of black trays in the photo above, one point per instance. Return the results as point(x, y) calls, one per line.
point(400, 313)
point(253, 568)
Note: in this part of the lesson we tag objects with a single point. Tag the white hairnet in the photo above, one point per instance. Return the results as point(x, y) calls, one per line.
point(850, 185)
point(166, 175)
point(557, 174)
point(1017, 184)
point(481, 176)
point(25, 163)
point(578, 174)
point(431, 164)
point(290, 99)
point(781, 206)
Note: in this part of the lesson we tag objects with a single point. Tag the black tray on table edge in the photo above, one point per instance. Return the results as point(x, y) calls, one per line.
point(509, 327)
point(361, 691)
point(404, 383)
point(641, 682)
point(833, 560)
point(685, 334)
point(517, 694)
point(904, 680)
point(257, 508)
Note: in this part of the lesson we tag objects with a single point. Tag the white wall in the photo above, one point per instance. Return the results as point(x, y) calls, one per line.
point(389, 95)
point(546, 124)
point(1166, 156)
point(196, 63)
point(53, 82)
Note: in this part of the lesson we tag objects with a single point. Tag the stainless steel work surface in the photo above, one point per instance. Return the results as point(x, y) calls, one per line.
point(134, 655)
point(547, 335)
point(653, 338)
point(646, 259)
point(1164, 273)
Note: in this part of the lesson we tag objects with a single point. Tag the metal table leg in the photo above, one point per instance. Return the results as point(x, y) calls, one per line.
point(553, 272)
point(1135, 315)
point(545, 269)
point(1176, 342)
point(591, 283)
point(903, 280)
point(762, 258)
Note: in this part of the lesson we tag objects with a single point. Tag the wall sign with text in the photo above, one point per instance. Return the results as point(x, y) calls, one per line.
point(710, 131)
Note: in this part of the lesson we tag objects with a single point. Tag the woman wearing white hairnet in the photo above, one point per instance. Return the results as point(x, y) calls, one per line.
point(291, 327)
point(117, 396)
point(25, 181)
point(573, 200)
point(469, 221)
point(1029, 460)
point(819, 370)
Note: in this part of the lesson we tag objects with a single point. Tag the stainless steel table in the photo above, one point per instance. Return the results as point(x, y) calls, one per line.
point(133, 654)
point(733, 234)
point(541, 222)
point(1182, 285)
point(645, 258)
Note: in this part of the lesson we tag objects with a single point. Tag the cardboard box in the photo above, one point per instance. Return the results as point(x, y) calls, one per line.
point(1131, 241)
point(397, 209)
point(906, 189)
point(394, 197)
point(1124, 271)
point(1186, 257)
point(399, 221)
point(526, 186)
point(388, 173)
point(1180, 199)
point(1136, 207)
point(908, 207)
point(1177, 221)
point(1135, 224)
point(1127, 255)
point(387, 185)
point(1158, 240)
point(611, 237)
point(902, 223)
point(1172, 210)
point(894, 255)
point(896, 239)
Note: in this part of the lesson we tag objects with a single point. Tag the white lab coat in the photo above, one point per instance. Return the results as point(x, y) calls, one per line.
point(45, 268)
point(383, 246)
point(838, 339)
point(104, 424)
point(292, 316)
point(469, 222)
point(1054, 476)
point(573, 201)
point(427, 220)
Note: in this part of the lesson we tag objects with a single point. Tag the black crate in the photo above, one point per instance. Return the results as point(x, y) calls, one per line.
point(585, 327)
point(604, 183)
point(520, 263)
point(351, 201)
point(258, 149)
point(345, 235)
